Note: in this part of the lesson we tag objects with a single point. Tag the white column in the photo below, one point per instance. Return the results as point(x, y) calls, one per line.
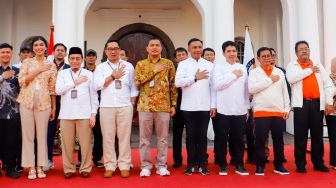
point(65, 22)
point(308, 27)
point(223, 25)
point(329, 15)
point(205, 9)
point(69, 21)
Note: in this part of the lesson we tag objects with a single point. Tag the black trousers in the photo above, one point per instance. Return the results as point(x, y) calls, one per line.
point(196, 123)
point(262, 127)
point(178, 125)
point(233, 127)
point(97, 150)
point(249, 135)
point(52, 126)
point(309, 117)
point(9, 140)
point(331, 123)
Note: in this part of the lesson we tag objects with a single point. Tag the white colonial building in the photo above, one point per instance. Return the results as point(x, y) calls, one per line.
point(90, 23)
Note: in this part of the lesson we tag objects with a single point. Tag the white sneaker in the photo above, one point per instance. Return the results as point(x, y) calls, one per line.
point(145, 173)
point(163, 172)
point(335, 167)
point(49, 166)
point(41, 174)
point(131, 165)
point(32, 174)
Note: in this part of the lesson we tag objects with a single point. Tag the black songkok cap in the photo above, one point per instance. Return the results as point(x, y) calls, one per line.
point(75, 50)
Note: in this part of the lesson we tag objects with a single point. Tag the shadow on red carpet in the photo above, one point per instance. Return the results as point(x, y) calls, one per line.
point(55, 177)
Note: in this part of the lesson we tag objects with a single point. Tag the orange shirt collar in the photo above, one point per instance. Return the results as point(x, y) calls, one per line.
point(310, 63)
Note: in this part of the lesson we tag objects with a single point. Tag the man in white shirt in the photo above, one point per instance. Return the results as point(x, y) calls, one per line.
point(312, 97)
point(25, 52)
point(115, 79)
point(230, 82)
point(79, 104)
point(195, 77)
point(264, 83)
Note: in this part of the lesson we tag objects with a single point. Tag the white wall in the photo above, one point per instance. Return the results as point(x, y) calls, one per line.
point(264, 21)
point(21, 19)
point(98, 31)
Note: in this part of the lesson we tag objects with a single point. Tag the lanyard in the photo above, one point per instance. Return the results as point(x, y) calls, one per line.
point(72, 76)
point(111, 66)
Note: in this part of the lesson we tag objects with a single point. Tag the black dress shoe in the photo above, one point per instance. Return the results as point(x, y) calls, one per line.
point(322, 168)
point(301, 169)
point(177, 164)
point(19, 169)
point(12, 173)
point(98, 164)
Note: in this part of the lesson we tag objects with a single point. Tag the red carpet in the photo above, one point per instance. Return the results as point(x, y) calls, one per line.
point(312, 179)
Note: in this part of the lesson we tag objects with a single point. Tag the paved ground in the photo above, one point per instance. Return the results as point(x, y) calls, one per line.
point(288, 138)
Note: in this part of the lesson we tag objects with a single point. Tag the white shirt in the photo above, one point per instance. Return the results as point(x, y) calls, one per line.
point(268, 96)
point(196, 96)
point(86, 102)
point(110, 96)
point(295, 74)
point(232, 92)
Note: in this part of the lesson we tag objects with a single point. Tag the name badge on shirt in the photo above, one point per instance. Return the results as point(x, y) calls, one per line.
point(118, 84)
point(151, 83)
point(73, 93)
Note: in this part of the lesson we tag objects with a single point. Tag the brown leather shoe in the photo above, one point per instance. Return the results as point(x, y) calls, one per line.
point(85, 174)
point(124, 173)
point(69, 175)
point(108, 173)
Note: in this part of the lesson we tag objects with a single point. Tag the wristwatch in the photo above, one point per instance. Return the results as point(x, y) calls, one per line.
point(175, 106)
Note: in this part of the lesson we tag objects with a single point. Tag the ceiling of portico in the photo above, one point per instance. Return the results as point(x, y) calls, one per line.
point(138, 4)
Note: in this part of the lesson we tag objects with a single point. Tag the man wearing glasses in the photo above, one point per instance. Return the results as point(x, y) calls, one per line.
point(265, 82)
point(115, 79)
point(312, 96)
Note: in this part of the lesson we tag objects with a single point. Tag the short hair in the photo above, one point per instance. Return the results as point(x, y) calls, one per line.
point(124, 51)
point(6, 45)
point(180, 49)
point(154, 38)
point(228, 43)
point(194, 40)
point(272, 49)
point(60, 44)
point(263, 49)
point(208, 49)
point(111, 40)
point(36, 38)
point(300, 42)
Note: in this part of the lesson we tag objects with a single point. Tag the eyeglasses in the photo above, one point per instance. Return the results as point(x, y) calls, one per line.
point(273, 55)
point(112, 49)
point(303, 49)
point(266, 57)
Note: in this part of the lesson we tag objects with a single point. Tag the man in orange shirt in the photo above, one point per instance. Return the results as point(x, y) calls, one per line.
point(312, 96)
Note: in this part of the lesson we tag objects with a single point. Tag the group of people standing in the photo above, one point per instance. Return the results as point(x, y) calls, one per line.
point(102, 99)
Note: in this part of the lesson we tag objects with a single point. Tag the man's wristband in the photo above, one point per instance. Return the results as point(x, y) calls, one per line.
point(112, 77)
point(175, 106)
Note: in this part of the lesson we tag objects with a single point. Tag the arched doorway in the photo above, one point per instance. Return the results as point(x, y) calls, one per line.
point(134, 37)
